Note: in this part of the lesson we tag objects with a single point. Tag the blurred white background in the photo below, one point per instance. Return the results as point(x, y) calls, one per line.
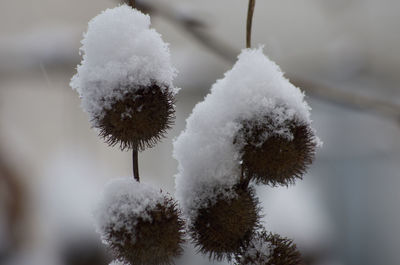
point(53, 166)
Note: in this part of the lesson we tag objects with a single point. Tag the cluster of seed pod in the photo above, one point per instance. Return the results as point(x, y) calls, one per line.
point(260, 133)
point(128, 93)
point(226, 226)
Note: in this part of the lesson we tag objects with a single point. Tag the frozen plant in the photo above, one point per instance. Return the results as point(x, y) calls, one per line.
point(253, 128)
point(224, 225)
point(260, 133)
point(125, 83)
point(140, 224)
point(125, 79)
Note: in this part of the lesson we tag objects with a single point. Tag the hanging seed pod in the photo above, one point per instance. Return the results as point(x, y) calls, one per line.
point(155, 241)
point(221, 229)
point(125, 79)
point(139, 119)
point(275, 158)
point(269, 249)
point(139, 225)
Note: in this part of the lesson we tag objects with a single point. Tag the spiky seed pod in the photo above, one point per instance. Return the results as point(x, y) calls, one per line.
point(139, 119)
point(221, 229)
point(284, 251)
point(269, 249)
point(276, 159)
point(157, 238)
point(128, 90)
point(140, 224)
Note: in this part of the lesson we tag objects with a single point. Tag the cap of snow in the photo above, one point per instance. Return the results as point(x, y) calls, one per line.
point(118, 49)
point(123, 199)
point(207, 158)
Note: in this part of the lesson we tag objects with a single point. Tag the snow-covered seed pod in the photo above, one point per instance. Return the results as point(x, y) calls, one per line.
point(269, 249)
point(275, 158)
point(139, 224)
point(125, 79)
point(222, 228)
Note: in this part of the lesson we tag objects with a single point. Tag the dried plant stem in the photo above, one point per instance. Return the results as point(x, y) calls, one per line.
point(249, 24)
point(250, 13)
point(135, 154)
point(135, 164)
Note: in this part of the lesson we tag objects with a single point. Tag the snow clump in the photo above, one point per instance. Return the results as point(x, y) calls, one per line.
point(124, 201)
point(120, 50)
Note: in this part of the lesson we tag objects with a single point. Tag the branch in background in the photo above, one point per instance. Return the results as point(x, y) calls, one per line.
point(199, 31)
point(349, 99)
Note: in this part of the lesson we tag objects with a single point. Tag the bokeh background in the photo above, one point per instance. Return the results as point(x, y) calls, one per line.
point(345, 54)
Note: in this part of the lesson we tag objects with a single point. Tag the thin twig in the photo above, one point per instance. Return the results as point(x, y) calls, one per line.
point(135, 164)
point(135, 154)
point(250, 13)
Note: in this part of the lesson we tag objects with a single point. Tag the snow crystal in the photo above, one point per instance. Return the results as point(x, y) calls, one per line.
point(124, 199)
point(119, 49)
point(208, 159)
point(258, 250)
point(116, 262)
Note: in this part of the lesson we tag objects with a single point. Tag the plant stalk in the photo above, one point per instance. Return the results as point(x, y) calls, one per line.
point(135, 154)
point(135, 164)
point(250, 13)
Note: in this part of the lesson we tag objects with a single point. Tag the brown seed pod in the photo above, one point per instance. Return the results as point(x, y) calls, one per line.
point(269, 249)
point(155, 241)
point(224, 227)
point(139, 119)
point(276, 159)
